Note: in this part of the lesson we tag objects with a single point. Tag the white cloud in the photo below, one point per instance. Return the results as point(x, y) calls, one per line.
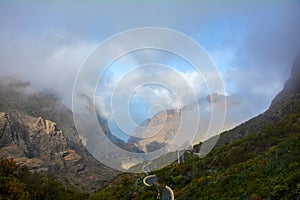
point(46, 43)
point(49, 60)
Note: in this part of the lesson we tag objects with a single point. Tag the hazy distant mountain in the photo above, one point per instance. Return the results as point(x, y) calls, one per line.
point(114, 139)
point(163, 127)
point(158, 131)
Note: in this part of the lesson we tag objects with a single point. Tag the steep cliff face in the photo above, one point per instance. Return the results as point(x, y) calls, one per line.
point(287, 101)
point(39, 145)
point(33, 142)
point(37, 131)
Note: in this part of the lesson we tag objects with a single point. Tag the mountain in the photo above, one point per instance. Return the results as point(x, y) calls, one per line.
point(37, 131)
point(163, 124)
point(284, 104)
point(257, 160)
point(114, 139)
point(287, 101)
point(162, 128)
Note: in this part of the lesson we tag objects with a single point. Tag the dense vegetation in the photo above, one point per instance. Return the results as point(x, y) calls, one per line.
point(259, 166)
point(18, 183)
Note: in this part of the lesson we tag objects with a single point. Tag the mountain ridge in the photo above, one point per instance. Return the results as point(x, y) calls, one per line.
point(285, 102)
point(258, 159)
point(38, 131)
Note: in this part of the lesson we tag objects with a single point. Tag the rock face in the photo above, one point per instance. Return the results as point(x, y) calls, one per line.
point(287, 101)
point(38, 132)
point(39, 145)
point(157, 131)
point(293, 84)
point(33, 142)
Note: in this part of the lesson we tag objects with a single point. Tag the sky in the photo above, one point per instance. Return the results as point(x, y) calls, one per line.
point(252, 45)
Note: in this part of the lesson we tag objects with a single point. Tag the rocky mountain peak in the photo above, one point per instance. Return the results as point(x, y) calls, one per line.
point(293, 84)
point(284, 104)
point(287, 101)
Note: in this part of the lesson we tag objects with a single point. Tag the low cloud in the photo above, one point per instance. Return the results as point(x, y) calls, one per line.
point(252, 46)
point(49, 60)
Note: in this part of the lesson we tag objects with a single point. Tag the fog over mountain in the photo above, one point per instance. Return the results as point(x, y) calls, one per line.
point(45, 43)
point(149, 100)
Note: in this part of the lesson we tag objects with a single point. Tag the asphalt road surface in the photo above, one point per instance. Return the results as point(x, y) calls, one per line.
point(166, 192)
point(150, 180)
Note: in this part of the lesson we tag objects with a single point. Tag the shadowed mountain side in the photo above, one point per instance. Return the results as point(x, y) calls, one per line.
point(118, 142)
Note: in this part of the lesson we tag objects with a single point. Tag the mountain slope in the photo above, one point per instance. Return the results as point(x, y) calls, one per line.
point(256, 160)
point(285, 103)
point(38, 132)
point(163, 124)
point(259, 166)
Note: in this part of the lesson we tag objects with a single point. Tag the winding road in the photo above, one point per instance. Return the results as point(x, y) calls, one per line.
point(165, 192)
